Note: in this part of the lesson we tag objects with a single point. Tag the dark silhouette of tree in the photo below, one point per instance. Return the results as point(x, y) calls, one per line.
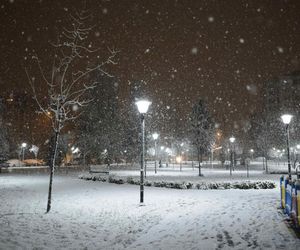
point(99, 133)
point(267, 131)
point(4, 149)
point(202, 130)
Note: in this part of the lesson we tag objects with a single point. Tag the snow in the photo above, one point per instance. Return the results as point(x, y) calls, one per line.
point(96, 215)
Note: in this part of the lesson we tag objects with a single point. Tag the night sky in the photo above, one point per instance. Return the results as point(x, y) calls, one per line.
point(223, 50)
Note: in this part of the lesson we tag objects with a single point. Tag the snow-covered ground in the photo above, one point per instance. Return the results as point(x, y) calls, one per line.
point(96, 215)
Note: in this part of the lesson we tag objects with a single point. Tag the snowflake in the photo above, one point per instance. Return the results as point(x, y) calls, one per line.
point(194, 50)
point(280, 49)
point(75, 107)
point(211, 19)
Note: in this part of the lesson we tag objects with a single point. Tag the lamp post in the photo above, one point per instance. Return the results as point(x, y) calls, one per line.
point(232, 140)
point(297, 151)
point(24, 145)
point(142, 106)
point(155, 137)
point(252, 153)
point(286, 119)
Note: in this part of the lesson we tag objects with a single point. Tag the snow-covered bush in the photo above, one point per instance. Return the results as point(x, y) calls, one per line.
point(182, 184)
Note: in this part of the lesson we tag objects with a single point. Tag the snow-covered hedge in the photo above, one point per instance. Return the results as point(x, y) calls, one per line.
point(183, 184)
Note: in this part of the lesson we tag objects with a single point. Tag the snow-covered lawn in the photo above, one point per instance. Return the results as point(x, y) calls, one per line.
point(96, 215)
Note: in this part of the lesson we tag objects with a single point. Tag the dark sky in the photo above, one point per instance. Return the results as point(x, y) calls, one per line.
point(222, 50)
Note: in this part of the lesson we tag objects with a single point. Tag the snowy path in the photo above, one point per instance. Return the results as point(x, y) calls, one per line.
point(95, 215)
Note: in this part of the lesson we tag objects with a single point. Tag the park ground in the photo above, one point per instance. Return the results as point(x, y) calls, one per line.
point(100, 215)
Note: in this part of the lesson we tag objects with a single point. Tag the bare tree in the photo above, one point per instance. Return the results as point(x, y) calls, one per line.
point(68, 80)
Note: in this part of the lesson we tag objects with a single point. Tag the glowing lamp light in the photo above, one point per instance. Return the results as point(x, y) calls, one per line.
point(232, 139)
point(155, 136)
point(24, 145)
point(286, 119)
point(143, 106)
point(178, 159)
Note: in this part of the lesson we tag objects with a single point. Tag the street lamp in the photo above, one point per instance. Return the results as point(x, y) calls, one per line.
point(286, 119)
point(155, 137)
point(252, 152)
point(142, 106)
point(232, 140)
point(23, 146)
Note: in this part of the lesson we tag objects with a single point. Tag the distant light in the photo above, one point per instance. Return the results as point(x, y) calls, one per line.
point(178, 159)
point(155, 136)
point(286, 118)
point(232, 139)
point(162, 147)
point(143, 106)
point(252, 150)
point(298, 146)
point(24, 145)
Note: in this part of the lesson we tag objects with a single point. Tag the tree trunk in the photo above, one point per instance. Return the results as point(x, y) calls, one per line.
point(267, 170)
point(199, 161)
point(52, 165)
point(84, 162)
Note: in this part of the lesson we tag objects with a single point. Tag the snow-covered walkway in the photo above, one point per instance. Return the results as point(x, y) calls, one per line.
point(96, 215)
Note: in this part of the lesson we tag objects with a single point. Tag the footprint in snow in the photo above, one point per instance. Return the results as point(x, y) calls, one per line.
point(219, 237)
point(228, 239)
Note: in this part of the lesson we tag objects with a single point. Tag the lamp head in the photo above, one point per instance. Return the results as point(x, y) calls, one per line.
point(143, 106)
point(155, 136)
point(286, 118)
point(24, 145)
point(178, 159)
point(232, 139)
